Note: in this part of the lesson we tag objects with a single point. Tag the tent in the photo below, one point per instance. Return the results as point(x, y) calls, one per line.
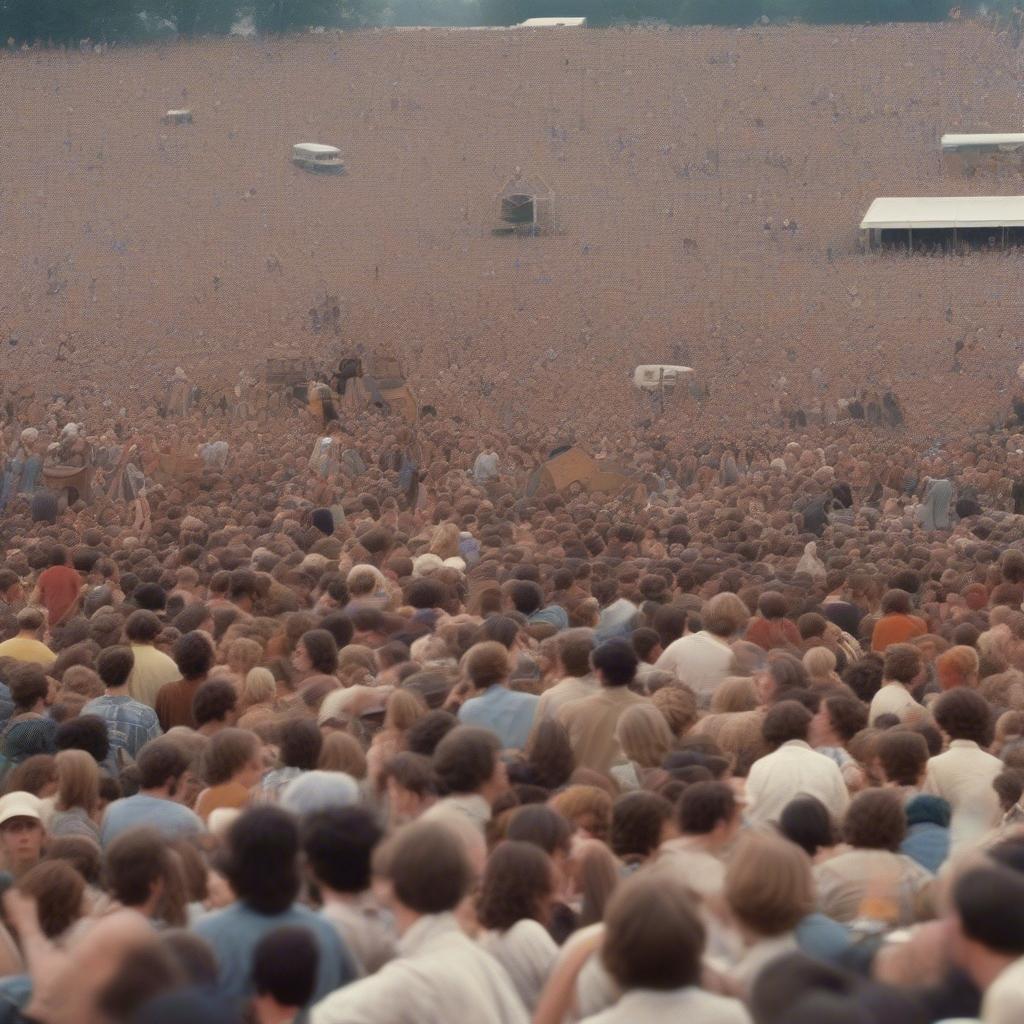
point(575, 466)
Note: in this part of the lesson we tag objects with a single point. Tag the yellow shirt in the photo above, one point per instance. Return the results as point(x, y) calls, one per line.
point(24, 648)
point(152, 669)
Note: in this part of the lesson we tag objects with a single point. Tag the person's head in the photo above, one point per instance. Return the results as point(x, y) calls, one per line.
point(28, 685)
point(144, 873)
point(36, 775)
point(768, 884)
point(59, 893)
point(149, 597)
point(772, 605)
point(161, 763)
point(957, 667)
point(316, 652)
point(896, 602)
point(284, 970)
point(193, 654)
point(639, 823)
point(588, 809)
point(725, 616)
point(902, 756)
point(468, 760)
point(30, 621)
point(550, 755)
point(788, 720)
point(820, 664)
point(615, 662)
point(410, 783)
point(142, 627)
point(678, 705)
point(988, 910)
point(338, 845)
point(259, 687)
point(485, 664)
point(838, 720)
point(524, 596)
point(342, 752)
point(902, 663)
point(708, 809)
point(114, 665)
point(544, 827)
point(963, 714)
point(654, 936)
point(574, 649)
point(780, 674)
point(300, 744)
point(429, 869)
point(518, 883)
point(805, 820)
point(21, 830)
point(262, 863)
point(644, 735)
point(425, 735)
point(864, 676)
point(215, 702)
point(78, 781)
point(86, 732)
point(233, 755)
point(875, 820)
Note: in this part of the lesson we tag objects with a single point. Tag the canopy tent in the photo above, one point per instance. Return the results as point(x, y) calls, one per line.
point(1006, 141)
point(944, 212)
point(939, 218)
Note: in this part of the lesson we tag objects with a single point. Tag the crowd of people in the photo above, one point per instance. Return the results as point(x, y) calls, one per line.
point(382, 734)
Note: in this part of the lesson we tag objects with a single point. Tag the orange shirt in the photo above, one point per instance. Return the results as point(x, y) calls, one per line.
point(896, 629)
point(59, 586)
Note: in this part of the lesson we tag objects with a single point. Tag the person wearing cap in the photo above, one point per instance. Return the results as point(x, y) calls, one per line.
point(27, 646)
point(21, 835)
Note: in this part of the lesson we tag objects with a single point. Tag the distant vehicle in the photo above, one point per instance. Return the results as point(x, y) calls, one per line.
point(177, 117)
point(311, 156)
point(654, 377)
point(553, 23)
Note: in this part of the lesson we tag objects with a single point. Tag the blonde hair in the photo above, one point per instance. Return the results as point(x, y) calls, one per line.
point(78, 781)
point(644, 735)
point(820, 663)
point(768, 884)
point(679, 706)
point(405, 708)
point(259, 686)
point(734, 693)
point(244, 654)
point(445, 541)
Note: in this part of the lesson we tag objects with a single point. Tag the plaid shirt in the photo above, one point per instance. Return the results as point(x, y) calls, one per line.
point(130, 724)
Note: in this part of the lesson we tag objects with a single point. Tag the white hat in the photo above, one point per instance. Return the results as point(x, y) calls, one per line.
point(456, 563)
point(20, 804)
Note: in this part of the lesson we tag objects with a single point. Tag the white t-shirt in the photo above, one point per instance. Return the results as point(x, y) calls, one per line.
point(700, 660)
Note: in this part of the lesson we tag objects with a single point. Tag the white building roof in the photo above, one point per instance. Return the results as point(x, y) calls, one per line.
point(945, 212)
point(1011, 140)
point(315, 148)
point(553, 23)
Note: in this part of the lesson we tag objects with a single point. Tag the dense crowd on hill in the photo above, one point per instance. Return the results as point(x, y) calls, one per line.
point(345, 718)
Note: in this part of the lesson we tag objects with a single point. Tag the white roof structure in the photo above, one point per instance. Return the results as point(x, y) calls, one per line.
point(652, 374)
point(1008, 141)
point(553, 23)
point(944, 212)
point(315, 149)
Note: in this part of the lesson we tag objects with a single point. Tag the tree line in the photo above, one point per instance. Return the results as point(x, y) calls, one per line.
point(67, 22)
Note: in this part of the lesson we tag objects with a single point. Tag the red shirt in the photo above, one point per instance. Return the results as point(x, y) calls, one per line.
point(59, 587)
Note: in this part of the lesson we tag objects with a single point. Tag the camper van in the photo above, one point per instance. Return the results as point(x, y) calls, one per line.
point(311, 156)
point(177, 117)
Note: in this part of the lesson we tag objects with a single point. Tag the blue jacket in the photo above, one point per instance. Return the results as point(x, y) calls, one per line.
point(927, 840)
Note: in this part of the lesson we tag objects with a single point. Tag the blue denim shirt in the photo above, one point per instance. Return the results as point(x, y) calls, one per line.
point(507, 712)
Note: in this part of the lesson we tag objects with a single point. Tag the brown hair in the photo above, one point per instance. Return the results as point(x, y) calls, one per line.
point(578, 802)
point(654, 936)
point(58, 890)
point(518, 883)
point(902, 756)
point(486, 663)
point(228, 752)
point(78, 781)
point(342, 753)
point(875, 820)
point(768, 884)
point(679, 706)
point(725, 615)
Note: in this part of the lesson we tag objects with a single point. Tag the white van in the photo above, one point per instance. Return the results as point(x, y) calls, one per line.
point(656, 376)
point(312, 156)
